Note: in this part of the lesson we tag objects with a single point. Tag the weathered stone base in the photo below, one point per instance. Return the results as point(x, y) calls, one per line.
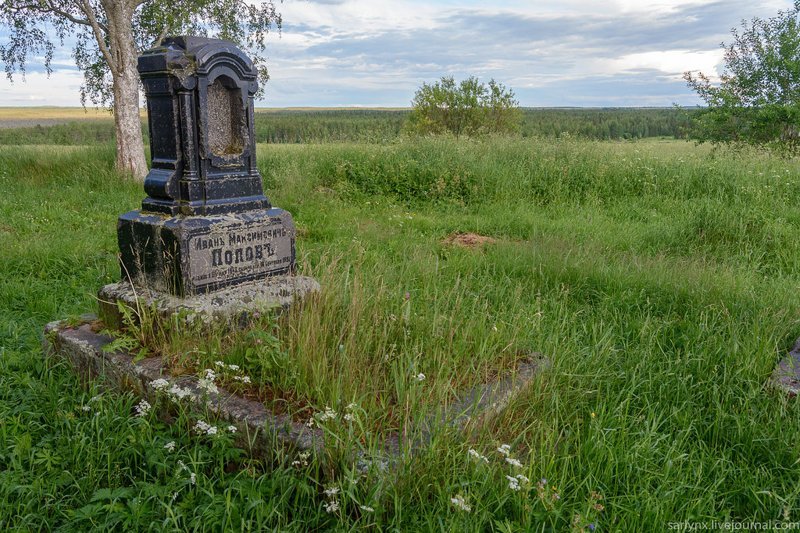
point(786, 376)
point(257, 427)
point(188, 255)
point(228, 305)
point(83, 347)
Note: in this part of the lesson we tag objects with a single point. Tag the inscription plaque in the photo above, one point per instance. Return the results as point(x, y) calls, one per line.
point(238, 253)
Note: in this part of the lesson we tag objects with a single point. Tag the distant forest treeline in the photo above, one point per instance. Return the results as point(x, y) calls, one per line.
point(369, 125)
point(366, 125)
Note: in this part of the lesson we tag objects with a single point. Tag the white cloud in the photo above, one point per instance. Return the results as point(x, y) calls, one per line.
point(60, 89)
point(670, 62)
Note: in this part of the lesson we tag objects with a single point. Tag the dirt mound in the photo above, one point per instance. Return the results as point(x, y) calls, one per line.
point(468, 240)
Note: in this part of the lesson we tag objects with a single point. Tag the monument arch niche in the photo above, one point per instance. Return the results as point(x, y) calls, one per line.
point(227, 125)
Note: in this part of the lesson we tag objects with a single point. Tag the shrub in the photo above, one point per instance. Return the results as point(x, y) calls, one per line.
point(468, 108)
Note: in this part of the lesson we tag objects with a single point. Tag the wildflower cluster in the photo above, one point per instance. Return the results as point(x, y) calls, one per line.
point(322, 416)
point(143, 408)
point(477, 455)
point(232, 371)
point(192, 475)
point(332, 505)
point(460, 503)
point(159, 385)
point(581, 523)
point(88, 407)
point(302, 459)
point(548, 494)
point(517, 482)
point(208, 381)
point(514, 462)
point(349, 414)
point(203, 427)
point(176, 393)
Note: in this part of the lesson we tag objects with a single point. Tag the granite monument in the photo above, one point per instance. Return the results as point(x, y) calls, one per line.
point(205, 224)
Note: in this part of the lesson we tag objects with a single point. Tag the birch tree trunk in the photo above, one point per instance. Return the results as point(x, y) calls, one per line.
point(122, 48)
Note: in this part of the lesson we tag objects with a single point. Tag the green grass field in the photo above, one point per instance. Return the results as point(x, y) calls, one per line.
point(658, 277)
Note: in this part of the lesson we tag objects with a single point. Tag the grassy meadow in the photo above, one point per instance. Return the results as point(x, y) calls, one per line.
point(657, 276)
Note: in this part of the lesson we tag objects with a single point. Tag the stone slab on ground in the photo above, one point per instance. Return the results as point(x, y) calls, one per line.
point(83, 347)
point(786, 375)
point(225, 305)
point(489, 399)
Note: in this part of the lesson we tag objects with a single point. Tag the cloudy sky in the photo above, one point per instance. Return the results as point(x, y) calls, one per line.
point(551, 52)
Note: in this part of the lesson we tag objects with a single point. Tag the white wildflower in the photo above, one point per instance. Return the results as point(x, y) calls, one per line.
point(86, 408)
point(331, 507)
point(193, 478)
point(367, 508)
point(208, 385)
point(178, 393)
point(505, 449)
point(513, 483)
point(460, 503)
point(232, 429)
point(475, 454)
point(327, 414)
point(302, 459)
point(235, 368)
point(351, 406)
point(513, 462)
point(170, 446)
point(210, 374)
point(522, 478)
point(202, 426)
point(142, 408)
point(311, 423)
point(243, 379)
point(332, 491)
point(94, 399)
point(420, 377)
point(219, 364)
point(159, 384)
point(349, 417)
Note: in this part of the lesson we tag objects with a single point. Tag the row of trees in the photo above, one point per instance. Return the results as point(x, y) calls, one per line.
point(385, 126)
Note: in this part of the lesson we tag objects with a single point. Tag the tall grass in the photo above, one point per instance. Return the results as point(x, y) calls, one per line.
point(658, 277)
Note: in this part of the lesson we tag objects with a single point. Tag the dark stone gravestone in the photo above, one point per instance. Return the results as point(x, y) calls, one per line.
point(205, 224)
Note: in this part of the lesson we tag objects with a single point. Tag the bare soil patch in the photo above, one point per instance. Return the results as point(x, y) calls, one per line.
point(468, 240)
